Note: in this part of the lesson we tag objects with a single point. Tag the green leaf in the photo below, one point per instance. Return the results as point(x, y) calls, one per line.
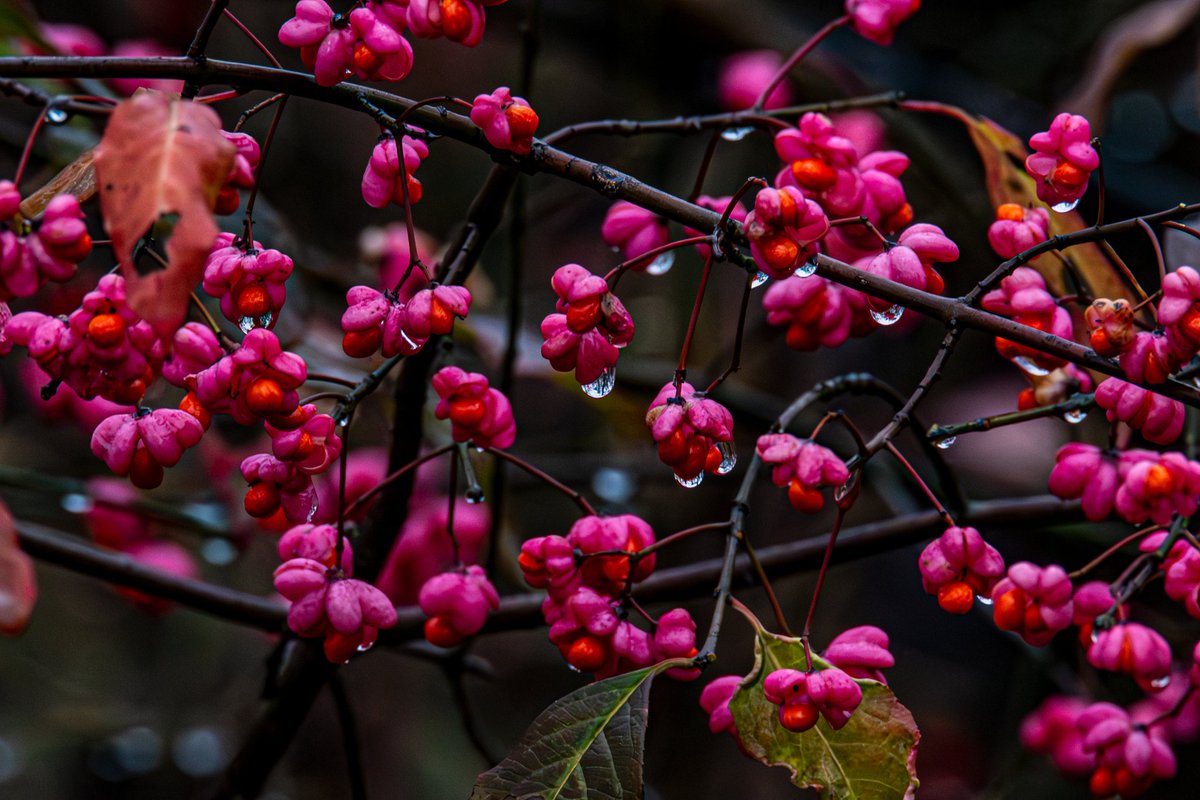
point(585, 745)
point(871, 758)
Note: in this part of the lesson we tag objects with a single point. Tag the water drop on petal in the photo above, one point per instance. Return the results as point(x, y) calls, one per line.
point(57, 116)
point(1160, 683)
point(265, 320)
point(1075, 416)
point(840, 492)
point(365, 646)
point(889, 316)
point(983, 599)
point(246, 324)
point(728, 458)
point(602, 385)
point(810, 268)
point(689, 483)
point(760, 278)
point(736, 134)
point(1030, 366)
point(944, 444)
point(1063, 208)
point(660, 265)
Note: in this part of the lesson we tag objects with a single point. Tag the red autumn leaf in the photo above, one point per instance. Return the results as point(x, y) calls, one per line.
point(18, 587)
point(160, 164)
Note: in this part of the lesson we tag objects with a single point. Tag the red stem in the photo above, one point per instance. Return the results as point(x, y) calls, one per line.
point(797, 56)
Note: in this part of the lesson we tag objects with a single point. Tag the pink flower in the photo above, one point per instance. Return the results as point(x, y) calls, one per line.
point(348, 613)
point(373, 319)
point(459, 21)
point(1156, 488)
point(315, 543)
point(325, 47)
point(508, 122)
point(784, 230)
point(276, 485)
point(958, 566)
point(249, 281)
point(72, 40)
point(141, 48)
point(48, 254)
point(675, 637)
point(548, 562)
point(381, 182)
point(690, 431)
point(1138, 651)
point(635, 231)
point(141, 444)
point(715, 702)
point(194, 349)
point(169, 557)
point(1149, 358)
point(110, 520)
point(1051, 729)
point(1182, 584)
point(457, 604)
point(1090, 601)
point(817, 312)
point(380, 52)
point(592, 638)
point(1062, 161)
point(477, 413)
point(1017, 229)
point(611, 575)
point(1160, 419)
point(1023, 297)
point(310, 441)
point(862, 652)
point(1128, 759)
point(431, 312)
point(1033, 601)
point(802, 697)
point(590, 329)
point(257, 380)
point(876, 20)
point(804, 467)
point(241, 174)
point(1084, 471)
point(1178, 312)
point(743, 76)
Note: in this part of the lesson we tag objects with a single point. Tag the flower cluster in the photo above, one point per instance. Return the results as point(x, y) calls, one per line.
point(376, 320)
point(241, 174)
point(1062, 161)
point(103, 349)
point(248, 281)
point(959, 566)
point(456, 604)
point(258, 380)
point(50, 252)
point(477, 413)
point(589, 328)
point(508, 122)
point(804, 697)
point(694, 434)
point(385, 179)
point(803, 466)
point(1139, 485)
point(1017, 229)
point(585, 574)
point(877, 20)
point(634, 231)
point(1034, 602)
point(1022, 296)
point(784, 229)
point(141, 444)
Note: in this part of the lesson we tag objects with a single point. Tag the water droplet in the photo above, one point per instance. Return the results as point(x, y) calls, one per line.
point(246, 324)
point(1075, 416)
point(689, 483)
point(56, 116)
point(736, 134)
point(409, 340)
point(660, 265)
point(218, 551)
point(944, 444)
point(889, 316)
point(602, 385)
point(265, 320)
point(365, 646)
point(983, 599)
point(475, 495)
point(760, 278)
point(840, 492)
point(574, 668)
point(1160, 683)
point(77, 503)
point(810, 268)
point(312, 509)
point(728, 458)
point(1030, 366)
point(1063, 208)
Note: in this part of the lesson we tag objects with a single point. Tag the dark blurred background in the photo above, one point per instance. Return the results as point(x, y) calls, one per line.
point(99, 700)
